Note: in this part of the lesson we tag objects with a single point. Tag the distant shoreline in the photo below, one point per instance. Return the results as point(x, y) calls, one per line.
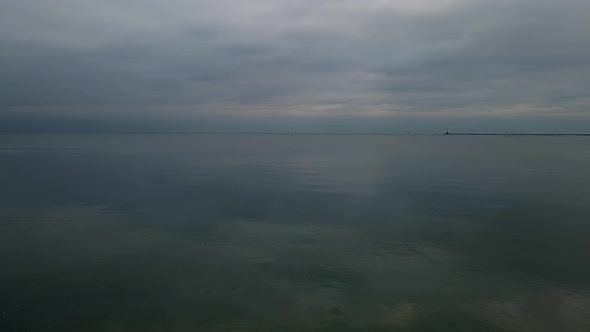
point(497, 134)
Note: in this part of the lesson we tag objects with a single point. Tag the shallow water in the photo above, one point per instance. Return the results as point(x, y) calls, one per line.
point(294, 233)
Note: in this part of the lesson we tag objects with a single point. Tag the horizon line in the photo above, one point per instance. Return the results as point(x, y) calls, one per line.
point(286, 133)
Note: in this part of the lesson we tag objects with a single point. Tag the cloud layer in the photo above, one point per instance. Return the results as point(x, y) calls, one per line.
point(329, 60)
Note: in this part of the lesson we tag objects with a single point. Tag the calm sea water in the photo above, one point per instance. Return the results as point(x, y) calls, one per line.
point(294, 233)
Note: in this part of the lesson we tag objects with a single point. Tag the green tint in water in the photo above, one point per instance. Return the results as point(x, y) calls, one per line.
point(294, 233)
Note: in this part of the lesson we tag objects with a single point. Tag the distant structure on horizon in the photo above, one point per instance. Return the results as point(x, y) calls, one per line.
point(447, 133)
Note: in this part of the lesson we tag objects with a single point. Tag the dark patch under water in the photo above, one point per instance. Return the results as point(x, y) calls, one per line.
point(294, 233)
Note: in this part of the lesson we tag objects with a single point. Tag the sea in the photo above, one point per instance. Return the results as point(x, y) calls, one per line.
point(285, 232)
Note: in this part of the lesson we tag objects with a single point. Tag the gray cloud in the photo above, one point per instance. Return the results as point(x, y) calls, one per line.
point(192, 60)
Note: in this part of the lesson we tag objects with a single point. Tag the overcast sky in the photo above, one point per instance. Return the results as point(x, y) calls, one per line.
point(295, 65)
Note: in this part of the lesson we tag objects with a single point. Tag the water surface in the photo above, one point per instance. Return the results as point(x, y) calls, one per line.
point(294, 233)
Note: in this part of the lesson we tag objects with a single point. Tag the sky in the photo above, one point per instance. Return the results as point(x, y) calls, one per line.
point(350, 66)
